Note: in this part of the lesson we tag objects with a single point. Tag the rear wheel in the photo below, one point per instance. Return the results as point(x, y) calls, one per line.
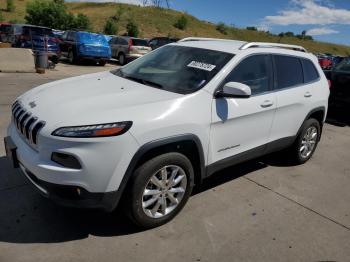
point(122, 59)
point(160, 189)
point(72, 57)
point(102, 62)
point(306, 142)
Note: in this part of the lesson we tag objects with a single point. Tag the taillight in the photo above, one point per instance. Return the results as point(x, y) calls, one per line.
point(329, 84)
point(130, 45)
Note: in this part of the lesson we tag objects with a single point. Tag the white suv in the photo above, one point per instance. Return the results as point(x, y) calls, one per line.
point(147, 132)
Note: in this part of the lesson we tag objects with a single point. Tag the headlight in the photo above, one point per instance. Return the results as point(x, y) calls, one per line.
point(102, 130)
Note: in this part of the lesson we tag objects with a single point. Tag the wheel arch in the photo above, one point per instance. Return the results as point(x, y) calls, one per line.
point(318, 113)
point(187, 144)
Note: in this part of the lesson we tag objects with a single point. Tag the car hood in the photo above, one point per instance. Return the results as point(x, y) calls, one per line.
point(91, 99)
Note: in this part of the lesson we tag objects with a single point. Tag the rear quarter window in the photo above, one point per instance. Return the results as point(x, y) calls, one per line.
point(288, 71)
point(310, 71)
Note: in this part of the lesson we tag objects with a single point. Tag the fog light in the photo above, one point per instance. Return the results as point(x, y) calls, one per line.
point(66, 160)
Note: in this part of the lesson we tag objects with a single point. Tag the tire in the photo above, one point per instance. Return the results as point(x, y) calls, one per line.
point(102, 62)
point(306, 142)
point(71, 57)
point(122, 59)
point(148, 211)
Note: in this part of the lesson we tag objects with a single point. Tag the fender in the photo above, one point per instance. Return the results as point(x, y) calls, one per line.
point(152, 145)
point(317, 109)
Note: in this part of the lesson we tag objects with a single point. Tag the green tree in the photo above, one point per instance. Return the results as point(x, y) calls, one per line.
point(110, 27)
point(81, 22)
point(1, 16)
point(10, 6)
point(53, 13)
point(222, 28)
point(132, 29)
point(181, 23)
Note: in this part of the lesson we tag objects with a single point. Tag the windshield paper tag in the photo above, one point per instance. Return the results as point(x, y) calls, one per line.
point(202, 66)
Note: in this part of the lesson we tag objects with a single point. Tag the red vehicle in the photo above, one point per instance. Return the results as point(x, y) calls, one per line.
point(325, 63)
point(5, 29)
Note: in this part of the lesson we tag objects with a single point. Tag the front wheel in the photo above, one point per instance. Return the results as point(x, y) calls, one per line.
point(160, 189)
point(306, 142)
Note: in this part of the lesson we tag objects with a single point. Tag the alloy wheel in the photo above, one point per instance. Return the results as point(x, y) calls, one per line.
point(164, 191)
point(308, 142)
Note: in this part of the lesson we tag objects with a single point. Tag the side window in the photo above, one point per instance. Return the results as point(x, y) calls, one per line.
point(71, 36)
point(310, 72)
point(123, 41)
point(288, 70)
point(254, 71)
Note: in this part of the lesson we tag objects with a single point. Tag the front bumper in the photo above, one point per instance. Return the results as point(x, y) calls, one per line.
point(103, 165)
point(73, 196)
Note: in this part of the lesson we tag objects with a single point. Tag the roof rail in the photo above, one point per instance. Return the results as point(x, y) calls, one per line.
point(277, 45)
point(204, 39)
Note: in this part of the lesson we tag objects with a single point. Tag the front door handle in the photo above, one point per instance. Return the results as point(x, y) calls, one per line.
point(266, 104)
point(308, 94)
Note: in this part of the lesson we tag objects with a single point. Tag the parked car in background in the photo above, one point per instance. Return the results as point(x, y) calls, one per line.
point(5, 29)
point(126, 48)
point(336, 60)
point(325, 62)
point(157, 42)
point(80, 45)
point(37, 38)
point(58, 33)
point(340, 84)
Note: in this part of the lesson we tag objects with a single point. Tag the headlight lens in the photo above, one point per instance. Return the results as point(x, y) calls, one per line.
point(102, 130)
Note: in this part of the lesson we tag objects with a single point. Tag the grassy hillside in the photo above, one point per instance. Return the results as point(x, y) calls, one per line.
point(159, 22)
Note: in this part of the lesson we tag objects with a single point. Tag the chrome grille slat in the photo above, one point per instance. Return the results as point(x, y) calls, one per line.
point(24, 120)
point(27, 125)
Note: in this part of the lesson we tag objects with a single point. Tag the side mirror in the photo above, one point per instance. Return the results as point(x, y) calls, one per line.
point(234, 90)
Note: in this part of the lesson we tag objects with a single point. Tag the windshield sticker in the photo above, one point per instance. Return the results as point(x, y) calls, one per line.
point(202, 66)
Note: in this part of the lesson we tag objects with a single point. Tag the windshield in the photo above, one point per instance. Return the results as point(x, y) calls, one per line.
point(91, 38)
point(344, 65)
point(139, 42)
point(176, 69)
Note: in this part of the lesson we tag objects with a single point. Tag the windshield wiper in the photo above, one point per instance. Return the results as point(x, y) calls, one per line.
point(143, 81)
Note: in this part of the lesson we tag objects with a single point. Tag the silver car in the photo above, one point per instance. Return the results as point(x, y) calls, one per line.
point(126, 48)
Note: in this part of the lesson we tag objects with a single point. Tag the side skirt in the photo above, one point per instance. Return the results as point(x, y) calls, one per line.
point(268, 148)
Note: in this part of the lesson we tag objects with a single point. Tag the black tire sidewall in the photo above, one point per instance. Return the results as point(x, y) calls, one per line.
point(307, 124)
point(142, 176)
point(124, 59)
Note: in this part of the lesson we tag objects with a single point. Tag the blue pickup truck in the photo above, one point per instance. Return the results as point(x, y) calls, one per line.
point(79, 45)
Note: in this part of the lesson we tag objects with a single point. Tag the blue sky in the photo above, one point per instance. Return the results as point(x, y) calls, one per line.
point(325, 20)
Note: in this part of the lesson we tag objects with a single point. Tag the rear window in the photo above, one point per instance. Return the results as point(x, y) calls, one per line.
point(37, 31)
point(288, 71)
point(139, 42)
point(310, 72)
point(5, 28)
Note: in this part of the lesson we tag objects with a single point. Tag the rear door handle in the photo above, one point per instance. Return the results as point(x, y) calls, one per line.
point(266, 104)
point(308, 94)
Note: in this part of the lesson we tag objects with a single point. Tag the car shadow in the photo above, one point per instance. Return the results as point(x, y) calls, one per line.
point(338, 116)
point(27, 217)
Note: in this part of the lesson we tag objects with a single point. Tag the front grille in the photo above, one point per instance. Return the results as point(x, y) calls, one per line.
point(27, 124)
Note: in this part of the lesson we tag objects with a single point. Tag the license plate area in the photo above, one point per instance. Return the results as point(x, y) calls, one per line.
point(11, 153)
